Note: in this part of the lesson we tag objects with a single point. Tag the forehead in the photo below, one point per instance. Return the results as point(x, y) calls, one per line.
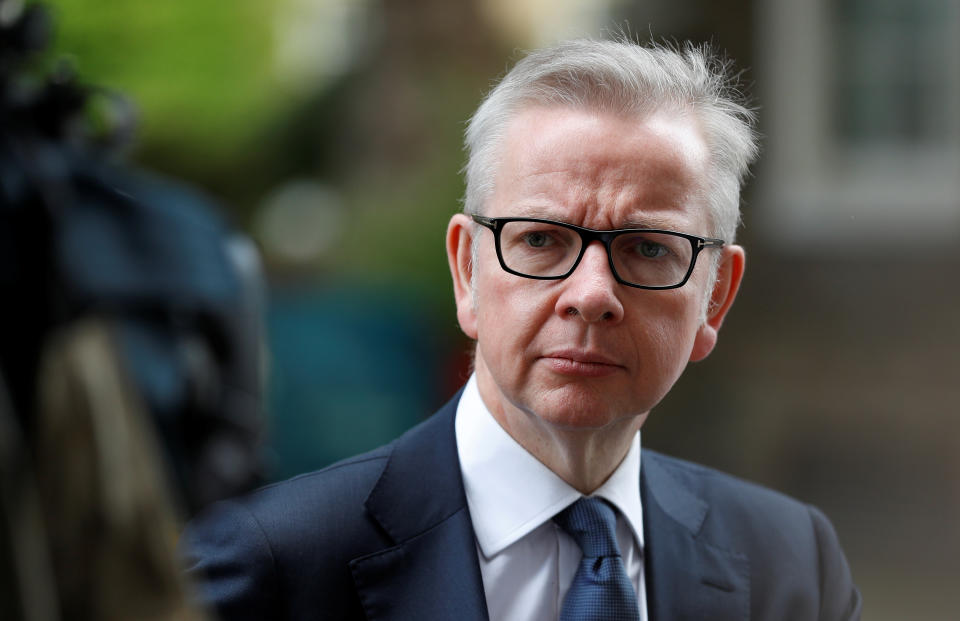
point(602, 170)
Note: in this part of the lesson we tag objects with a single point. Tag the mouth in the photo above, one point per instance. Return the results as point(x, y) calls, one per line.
point(579, 363)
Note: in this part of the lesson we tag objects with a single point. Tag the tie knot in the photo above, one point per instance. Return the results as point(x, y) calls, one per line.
point(592, 524)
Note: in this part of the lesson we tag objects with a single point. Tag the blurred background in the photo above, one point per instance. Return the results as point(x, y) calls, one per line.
point(331, 132)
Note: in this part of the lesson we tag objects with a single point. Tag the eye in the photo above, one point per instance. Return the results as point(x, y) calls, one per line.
point(652, 250)
point(537, 239)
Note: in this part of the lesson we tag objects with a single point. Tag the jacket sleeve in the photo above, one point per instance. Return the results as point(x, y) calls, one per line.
point(840, 599)
point(230, 564)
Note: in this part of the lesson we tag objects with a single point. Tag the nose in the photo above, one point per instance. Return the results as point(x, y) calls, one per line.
point(590, 292)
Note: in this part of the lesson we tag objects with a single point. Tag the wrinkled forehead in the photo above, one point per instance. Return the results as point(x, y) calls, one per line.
point(602, 170)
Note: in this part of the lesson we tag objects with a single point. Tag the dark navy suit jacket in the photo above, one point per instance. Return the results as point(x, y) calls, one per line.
point(387, 535)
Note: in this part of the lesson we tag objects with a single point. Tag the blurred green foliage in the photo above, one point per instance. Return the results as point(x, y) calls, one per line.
point(199, 71)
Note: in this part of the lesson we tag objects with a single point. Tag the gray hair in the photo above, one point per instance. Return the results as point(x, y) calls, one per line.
point(623, 77)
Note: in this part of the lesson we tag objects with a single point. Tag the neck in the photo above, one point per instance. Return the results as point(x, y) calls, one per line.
point(583, 457)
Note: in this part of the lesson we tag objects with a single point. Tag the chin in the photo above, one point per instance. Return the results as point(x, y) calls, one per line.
point(579, 423)
point(570, 410)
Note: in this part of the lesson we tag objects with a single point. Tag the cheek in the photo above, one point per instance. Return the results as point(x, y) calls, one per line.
point(502, 311)
point(666, 337)
point(509, 313)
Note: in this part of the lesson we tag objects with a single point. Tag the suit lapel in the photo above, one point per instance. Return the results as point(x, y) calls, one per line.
point(687, 576)
point(432, 571)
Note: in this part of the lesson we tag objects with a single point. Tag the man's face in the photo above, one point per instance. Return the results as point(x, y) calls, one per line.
point(586, 351)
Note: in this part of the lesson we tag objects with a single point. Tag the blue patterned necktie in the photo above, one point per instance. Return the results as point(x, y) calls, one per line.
point(601, 590)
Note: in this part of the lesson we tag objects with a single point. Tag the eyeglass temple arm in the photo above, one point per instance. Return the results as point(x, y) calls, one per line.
point(488, 222)
point(709, 242)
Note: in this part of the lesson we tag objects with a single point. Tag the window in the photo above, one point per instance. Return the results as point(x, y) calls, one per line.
point(861, 111)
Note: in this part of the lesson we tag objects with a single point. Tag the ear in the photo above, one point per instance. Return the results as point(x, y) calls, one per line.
point(460, 259)
point(729, 275)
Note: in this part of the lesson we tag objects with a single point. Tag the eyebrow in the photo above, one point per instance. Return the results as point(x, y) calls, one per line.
point(651, 223)
point(640, 223)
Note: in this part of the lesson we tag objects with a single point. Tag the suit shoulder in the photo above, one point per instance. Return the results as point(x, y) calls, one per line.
point(347, 477)
point(257, 555)
point(744, 510)
point(791, 545)
point(325, 507)
point(716, 486)
point(329, 496)
point(284, 550)
point(321, 510)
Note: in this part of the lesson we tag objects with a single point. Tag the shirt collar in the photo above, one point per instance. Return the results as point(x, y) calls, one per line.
point(510, 493)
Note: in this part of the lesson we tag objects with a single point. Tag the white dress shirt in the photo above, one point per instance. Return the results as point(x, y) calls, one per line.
point(528, 562)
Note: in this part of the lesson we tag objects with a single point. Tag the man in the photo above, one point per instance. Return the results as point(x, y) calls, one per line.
point(594, 260)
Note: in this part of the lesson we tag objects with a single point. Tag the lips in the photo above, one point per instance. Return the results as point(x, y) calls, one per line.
point(581, 363)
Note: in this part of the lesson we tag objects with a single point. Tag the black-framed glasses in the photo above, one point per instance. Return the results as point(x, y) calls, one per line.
point(641, 258)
